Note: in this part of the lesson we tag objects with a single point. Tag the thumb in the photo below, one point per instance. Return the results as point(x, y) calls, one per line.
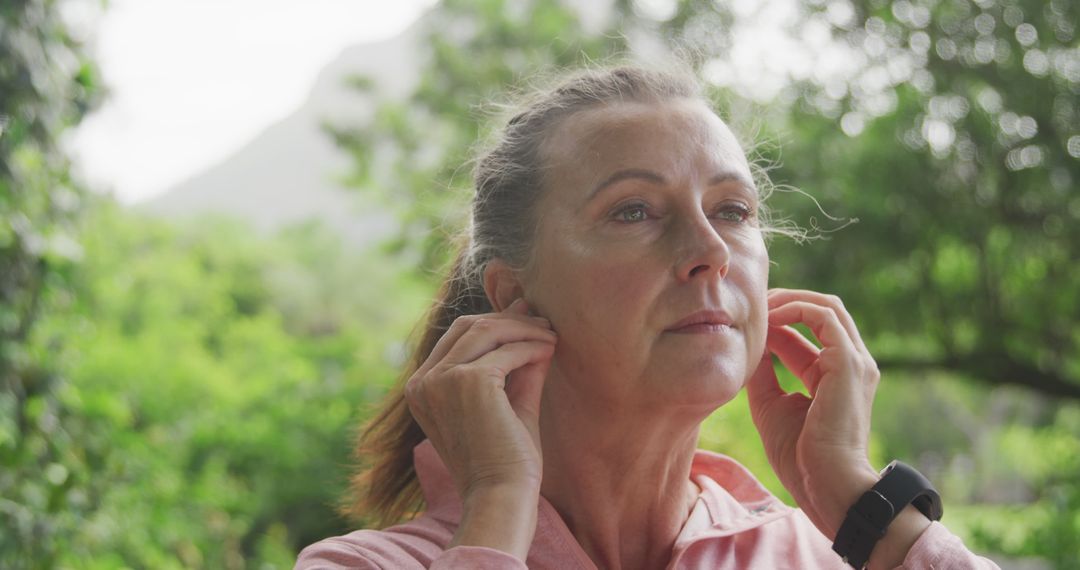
point(524, 387)
point(763, 389)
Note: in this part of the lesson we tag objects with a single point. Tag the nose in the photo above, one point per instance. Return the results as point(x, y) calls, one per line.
point(704, 252)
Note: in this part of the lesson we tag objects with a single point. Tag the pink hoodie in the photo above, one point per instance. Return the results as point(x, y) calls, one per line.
point(735, 524)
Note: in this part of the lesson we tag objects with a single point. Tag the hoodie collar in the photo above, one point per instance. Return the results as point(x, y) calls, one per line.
point(734, 500)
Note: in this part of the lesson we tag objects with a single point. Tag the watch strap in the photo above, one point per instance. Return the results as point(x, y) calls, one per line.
point(869, 518)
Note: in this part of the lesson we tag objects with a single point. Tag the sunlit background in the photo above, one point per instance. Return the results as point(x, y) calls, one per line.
point(219, 222)
point(189, 83)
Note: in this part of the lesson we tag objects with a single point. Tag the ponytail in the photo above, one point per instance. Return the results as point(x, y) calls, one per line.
point(386, 490)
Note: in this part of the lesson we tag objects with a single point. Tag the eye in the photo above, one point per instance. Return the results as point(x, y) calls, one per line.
point(737, 213)
point(631, 213)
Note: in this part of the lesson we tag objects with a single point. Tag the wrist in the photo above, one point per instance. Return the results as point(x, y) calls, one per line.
point(886, 521)
point(901, 535)
point(833, 499)
point(500, 516)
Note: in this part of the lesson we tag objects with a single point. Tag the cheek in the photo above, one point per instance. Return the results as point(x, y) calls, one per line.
point(747, 285)
point(595, 290)
point(596, 300)
point(757, 293)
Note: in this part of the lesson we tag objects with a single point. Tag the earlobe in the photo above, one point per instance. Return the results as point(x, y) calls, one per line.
point(501, 284)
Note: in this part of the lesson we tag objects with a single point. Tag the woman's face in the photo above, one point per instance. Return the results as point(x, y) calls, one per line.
point(649, 224)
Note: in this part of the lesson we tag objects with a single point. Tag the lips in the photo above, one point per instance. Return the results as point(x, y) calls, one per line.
point(703, 321)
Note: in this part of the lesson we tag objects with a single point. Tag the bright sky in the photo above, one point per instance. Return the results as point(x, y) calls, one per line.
point(192, 80)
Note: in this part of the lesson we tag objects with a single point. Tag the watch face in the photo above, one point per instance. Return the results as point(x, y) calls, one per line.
point(877, 510)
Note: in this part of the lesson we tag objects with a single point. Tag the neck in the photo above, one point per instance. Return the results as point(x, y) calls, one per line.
point(620, 481)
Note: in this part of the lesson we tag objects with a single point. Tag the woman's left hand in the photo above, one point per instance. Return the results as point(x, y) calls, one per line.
point(818, 444)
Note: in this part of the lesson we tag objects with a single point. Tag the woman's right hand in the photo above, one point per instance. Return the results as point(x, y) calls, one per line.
point(477, 398)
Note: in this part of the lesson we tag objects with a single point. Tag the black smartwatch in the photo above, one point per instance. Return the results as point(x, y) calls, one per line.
point(870, 516)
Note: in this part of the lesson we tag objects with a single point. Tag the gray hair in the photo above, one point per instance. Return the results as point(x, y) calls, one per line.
point(509, 177)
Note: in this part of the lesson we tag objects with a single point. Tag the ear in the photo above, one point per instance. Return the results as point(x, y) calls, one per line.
point(501, 284)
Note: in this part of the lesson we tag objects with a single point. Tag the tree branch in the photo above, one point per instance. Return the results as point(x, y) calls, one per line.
point(994, 369)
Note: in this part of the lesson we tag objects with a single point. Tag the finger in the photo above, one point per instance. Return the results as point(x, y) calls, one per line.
point(823, 322)
point(521, 307)
point(501, 362)
point(776, 413)
point(462, 324)
point(526, 384)
point(797, 353)
point(518, 307)
point(473, 381)
point(446, 341)
point(487, 334)
point(777, 297)
point(524, 388)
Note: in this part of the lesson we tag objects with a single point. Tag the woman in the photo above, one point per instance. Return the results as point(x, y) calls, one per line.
point(612, 295)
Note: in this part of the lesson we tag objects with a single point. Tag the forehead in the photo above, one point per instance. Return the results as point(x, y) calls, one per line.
point(671, 137)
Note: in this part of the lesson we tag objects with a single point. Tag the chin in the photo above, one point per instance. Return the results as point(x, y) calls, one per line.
point(707, 383)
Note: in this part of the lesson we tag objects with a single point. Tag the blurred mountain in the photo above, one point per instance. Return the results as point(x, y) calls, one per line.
point(291, 172)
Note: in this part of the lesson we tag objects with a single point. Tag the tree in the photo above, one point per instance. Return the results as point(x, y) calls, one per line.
point(955, 146)
point(223, 371)
point(46, 85)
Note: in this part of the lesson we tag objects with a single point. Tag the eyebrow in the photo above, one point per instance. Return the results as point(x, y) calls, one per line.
point(650, 176)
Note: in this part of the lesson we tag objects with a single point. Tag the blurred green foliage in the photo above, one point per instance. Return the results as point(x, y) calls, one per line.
point(184, 395)
point(953, 153)
point(222, 374)
point(46, 85)
point(956, 147)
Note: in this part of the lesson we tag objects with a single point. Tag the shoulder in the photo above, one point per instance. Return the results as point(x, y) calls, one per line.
point(414, 544)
